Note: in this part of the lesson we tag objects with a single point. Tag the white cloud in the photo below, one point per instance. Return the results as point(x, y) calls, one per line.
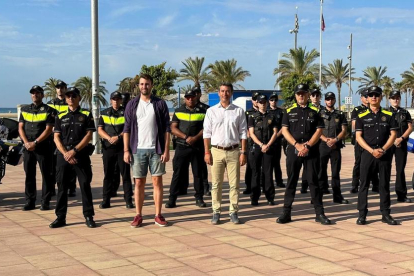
point(167, 20)
point(358, 20)
point(207, 35)
point(372, 20)
point(125, 10)
point(156, 47)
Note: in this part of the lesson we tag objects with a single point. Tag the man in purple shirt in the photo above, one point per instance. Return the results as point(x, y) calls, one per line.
point(146, 145)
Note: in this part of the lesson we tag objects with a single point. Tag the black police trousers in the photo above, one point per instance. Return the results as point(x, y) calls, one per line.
point(44, 157)
point(356, 171)
point(184, 155)
point(261, 163)
point(185, 182)
point(113, 162)
point(400, 163)
point(72, 185)
point(83, 171)
point(310, 165)
point(277, 155)
point(369, 166)
point(327, 154)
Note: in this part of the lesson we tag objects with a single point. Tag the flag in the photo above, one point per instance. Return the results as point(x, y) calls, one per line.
point(296, 22)
point(323, 24)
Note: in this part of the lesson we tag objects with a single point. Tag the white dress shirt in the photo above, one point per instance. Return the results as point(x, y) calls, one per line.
point(225, 126)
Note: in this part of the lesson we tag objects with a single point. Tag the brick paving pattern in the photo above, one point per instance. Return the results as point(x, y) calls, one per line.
point(192, 246)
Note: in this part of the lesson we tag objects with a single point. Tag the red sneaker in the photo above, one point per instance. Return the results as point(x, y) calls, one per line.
point(160, 221)
point(137, 221)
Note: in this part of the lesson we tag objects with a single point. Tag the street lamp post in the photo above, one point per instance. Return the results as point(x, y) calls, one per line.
point(296, 29)
point(350, 72)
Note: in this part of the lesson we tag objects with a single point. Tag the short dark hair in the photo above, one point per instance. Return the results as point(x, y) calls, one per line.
point(147, 77)
point(228, 84)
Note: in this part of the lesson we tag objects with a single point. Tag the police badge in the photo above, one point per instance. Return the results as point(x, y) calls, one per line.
point(269, 121)
point(42, 108)
point(383, 118)
point(336, 120)
point(80, 119)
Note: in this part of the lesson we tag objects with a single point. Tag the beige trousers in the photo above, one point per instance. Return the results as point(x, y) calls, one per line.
point(225, 160)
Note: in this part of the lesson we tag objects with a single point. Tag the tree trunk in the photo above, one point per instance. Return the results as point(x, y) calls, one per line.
point(339, 96)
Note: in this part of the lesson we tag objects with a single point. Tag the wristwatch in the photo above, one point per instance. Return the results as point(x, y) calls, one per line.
point(307, 146)
point(243, 152)
point(75, 150)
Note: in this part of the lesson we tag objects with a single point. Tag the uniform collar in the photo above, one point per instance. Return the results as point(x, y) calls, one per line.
point(77, 110)
point(36, 107)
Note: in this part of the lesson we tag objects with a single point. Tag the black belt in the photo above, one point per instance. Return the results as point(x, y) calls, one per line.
point(226, 148)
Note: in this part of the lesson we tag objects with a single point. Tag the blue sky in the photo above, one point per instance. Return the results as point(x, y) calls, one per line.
point(51, 38)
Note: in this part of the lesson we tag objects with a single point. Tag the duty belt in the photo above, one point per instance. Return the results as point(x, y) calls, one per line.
point(226, 148)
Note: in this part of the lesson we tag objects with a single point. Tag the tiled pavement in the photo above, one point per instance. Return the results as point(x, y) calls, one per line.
point(192, 246)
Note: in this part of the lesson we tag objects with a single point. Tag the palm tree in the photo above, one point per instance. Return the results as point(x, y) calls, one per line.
point(388, 84)
point(372, 76)
point(50, 88)
point(128, 85)
point(225, 71)
point(297, 61)
point(338, 74)
point(84, 84)
point(194, 71)
point(408, 82)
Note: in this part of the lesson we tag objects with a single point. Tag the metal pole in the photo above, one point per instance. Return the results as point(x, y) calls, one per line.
point(320, 47)
point(179, 96)
point(350, 72)
point(95, 69)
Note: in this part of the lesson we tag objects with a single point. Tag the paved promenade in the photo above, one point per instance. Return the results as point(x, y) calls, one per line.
point(192, 246)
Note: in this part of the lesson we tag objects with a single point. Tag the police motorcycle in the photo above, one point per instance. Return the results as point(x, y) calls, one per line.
point(11, 151)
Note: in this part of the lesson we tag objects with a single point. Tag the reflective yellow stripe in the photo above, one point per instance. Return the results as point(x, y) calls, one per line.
point(59, 108)
point(190, 117)
point(63, 114)
point(386, 112)
point(292, 107)
point(30, 117)
point(313, 107)
point(113, 120)
point(85, 112)
point(363, 113)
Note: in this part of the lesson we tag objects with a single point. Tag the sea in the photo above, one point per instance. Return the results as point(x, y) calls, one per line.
point(8, 110)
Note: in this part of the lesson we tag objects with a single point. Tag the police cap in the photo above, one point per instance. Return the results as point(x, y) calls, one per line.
point(196, 90)
point(190, 93)
point(60, 84)
point(330, 95)
point(316, 91)
point(36, 88)
point(255, 95)
point(274, 96)
point(72, 90)
point(395, 93)
point(116, 94)
point(374, 90)
point(301, 88)
point(262, 98)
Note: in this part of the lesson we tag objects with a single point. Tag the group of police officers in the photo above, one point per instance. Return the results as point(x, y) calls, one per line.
point(310, 134)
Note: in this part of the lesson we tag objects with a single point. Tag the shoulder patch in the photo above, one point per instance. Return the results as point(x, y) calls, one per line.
point(313, 107)
point(84, 112)
point(362, 114)
point(291, 107)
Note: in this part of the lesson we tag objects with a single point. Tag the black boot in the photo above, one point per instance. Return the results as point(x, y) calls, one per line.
point(284, 218)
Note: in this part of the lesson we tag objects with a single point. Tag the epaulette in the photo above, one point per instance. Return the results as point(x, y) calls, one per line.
point(360, 115)
point(63, 114)
point(291, 107)
point(311, 106)
point(386, 112)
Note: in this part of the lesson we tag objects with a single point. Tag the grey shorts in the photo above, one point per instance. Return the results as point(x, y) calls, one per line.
point(145, 158)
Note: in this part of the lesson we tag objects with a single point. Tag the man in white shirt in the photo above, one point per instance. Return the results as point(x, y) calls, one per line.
point(225, 128)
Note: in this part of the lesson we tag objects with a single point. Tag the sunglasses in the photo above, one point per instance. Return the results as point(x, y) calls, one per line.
point(272, 100)
point(189, 97)
point(262, 102)
point(329, 99)
point(372, 95)
point(71, 96)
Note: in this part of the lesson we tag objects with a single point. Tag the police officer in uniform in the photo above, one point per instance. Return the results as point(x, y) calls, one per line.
point(60, 105)
point(277, 145)
point(187, 126)
point(35, 128)
point(248, 172)
point(302, 127)
point(330, 147)
point(111, 124)
point(399, 149)
point(73, 131)
point(315, 97)
point(200, 104)
point(263, 129)
point(376, 130)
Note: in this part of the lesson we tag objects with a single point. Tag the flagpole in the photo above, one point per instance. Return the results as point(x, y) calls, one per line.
point(320, 46)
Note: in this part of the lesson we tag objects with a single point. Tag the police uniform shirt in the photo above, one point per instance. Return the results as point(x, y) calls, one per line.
point(35, 119)
point(189, 122)
point(263, 124)
point(278, 113)
point(403, 118)
point(356, 111)
point(333, 122)
point(73, 126)
point(302, 122)
point(112, 121)
point(376, 127)
point(59, 105)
